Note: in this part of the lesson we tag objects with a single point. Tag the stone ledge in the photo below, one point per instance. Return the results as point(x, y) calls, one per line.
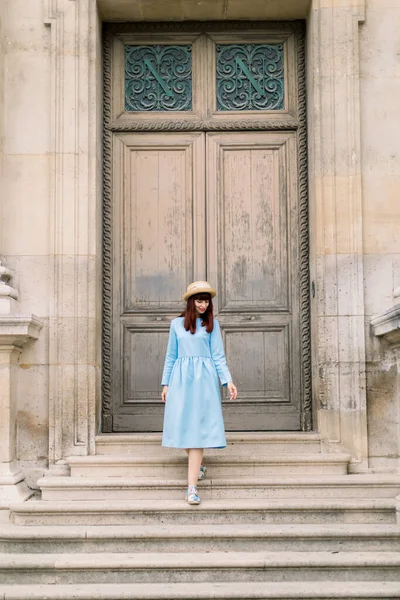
point(213, 511)
point(176, 561)
point(192, 10)
point(387, 325)
point(251, 590)
point(19, 329)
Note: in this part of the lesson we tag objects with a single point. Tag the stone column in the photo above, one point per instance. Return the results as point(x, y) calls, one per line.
point(15, 331)
point(336, 252)
point(2, 18)
point(75, 221)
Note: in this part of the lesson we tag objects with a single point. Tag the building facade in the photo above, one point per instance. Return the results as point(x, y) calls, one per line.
point(109, 209)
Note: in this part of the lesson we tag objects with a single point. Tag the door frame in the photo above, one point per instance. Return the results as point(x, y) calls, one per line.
point(294, 30)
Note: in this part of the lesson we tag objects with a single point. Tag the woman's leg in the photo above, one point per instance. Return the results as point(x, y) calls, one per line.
point(195, 456)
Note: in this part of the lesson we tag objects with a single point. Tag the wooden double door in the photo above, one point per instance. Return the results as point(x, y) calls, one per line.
point(217, 206)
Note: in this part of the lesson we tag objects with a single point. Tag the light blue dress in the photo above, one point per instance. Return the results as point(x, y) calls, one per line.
point(193, 412)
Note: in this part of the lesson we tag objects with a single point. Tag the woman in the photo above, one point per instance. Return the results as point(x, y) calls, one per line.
point(194, 360)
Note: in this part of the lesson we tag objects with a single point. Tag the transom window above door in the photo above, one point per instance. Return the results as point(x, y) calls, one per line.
point(250, 77)
point(158, 77)
point(205, 77)
point(247, 77)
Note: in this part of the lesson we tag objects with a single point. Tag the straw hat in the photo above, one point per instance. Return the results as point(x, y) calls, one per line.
point(199, 287)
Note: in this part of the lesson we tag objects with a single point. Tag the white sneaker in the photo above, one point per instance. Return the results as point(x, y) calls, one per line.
point(202, 473)
point(191, 495)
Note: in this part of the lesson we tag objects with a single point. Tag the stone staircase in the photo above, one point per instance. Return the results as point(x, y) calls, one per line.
point(279, 518)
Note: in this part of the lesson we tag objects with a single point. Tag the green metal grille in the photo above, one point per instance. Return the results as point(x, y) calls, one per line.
point(250, 77)
point(158, 78)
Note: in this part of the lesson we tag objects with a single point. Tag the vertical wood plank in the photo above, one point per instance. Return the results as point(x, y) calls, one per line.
point(159, 206)
point(252, 207)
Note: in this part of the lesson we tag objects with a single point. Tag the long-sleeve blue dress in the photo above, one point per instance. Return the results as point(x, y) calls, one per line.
point(193, 412)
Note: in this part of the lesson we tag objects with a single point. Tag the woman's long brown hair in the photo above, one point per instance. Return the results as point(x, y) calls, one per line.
point(190, 314)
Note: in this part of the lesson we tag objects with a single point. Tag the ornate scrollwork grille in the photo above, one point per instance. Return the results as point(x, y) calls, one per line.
point(158, 78)
point(250, 77)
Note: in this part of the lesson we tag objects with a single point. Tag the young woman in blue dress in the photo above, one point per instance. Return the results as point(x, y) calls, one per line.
point(194, 361)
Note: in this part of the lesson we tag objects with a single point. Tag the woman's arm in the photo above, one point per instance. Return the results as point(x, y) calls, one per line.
point(218, 354)
point(171, 355)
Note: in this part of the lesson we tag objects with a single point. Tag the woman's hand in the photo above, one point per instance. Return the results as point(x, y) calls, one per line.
point(233, 391)
point(164, 393)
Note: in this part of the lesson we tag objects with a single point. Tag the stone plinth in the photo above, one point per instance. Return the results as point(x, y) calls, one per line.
point(15, 332)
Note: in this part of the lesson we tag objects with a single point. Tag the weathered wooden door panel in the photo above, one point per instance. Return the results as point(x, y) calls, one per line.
point(252, 258)
point(158, 192)
point(249, 246)
point(263, 368)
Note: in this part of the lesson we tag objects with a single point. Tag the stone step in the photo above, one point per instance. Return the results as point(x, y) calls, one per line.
point(343, 590)
point(175, 467)
point(229, 510)
point(190, 538)
point(312, 486)
point(250, 444)
point(196, 566)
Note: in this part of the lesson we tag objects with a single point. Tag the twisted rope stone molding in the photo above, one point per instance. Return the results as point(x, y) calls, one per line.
point(107, 241)
point(205, 26)
point(267, 125)
point(305, 320)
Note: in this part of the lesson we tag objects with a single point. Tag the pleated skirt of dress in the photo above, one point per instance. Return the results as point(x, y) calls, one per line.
point(193, 410)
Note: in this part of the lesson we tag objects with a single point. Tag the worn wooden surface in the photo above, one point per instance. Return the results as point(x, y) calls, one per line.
point(252, 256)
point(159, 244)
point(248, 243)
point(221, 206)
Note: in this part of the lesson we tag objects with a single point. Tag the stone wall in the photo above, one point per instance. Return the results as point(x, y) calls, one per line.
point(25, 205)
point(2, 16)
point(380, 131)
point(50, 226)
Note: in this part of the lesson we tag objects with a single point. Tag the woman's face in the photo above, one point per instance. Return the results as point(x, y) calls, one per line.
point(201, 306)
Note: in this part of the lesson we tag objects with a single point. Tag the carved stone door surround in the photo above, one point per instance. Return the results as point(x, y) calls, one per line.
point(337, 309)
point(134, 56)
